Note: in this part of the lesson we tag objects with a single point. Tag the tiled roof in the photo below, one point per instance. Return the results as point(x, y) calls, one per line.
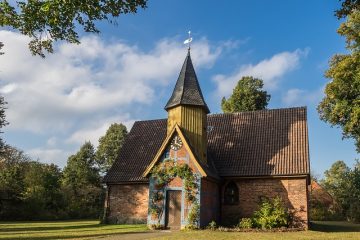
point(259, 143)
point(140, 147)
point(187, 89)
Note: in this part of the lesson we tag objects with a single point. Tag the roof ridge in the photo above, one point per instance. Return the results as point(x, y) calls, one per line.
point(260, 111)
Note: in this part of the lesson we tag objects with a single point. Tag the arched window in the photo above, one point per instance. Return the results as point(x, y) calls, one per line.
point(231, 194)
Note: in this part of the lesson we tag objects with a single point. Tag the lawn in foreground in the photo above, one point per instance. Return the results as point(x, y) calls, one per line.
point(64, 230)
point(94, 230)
point(320, 230)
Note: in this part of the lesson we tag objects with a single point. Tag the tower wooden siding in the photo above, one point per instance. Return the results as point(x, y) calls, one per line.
point(193, 121)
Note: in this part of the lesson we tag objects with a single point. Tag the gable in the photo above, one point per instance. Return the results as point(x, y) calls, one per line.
point(176, 131)
point(259, 143)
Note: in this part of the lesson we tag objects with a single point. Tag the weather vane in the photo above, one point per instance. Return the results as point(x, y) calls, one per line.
point(189, 40)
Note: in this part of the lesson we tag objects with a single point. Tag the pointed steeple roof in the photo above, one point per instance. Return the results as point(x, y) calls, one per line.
point(187, 90)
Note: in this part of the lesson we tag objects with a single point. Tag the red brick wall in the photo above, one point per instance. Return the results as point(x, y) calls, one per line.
point(293, 191)
point(209, 202)
point(128, 203)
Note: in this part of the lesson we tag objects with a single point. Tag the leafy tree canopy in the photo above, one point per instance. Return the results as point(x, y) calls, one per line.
point(343, 183)
point(1, 46)
point(341, 104)
point(347, 6)
point(110, 145)
point(46, 21)
point(247, 96)
point(81, 184)
point(28, 189)
point(80, 169)
point(3, 121)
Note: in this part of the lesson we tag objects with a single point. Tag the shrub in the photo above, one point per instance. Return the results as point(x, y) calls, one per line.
point(193, 217)
point(212, 225)
point(156, 226)
point(191, 227)
point(246, 223)
point(272, 214)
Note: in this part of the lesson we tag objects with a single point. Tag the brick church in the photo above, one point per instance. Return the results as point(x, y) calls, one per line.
point(233, 160)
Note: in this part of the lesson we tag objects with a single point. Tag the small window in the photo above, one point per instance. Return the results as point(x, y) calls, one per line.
point(231, 194)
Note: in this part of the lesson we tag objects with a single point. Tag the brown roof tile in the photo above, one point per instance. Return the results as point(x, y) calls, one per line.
point(259, 143)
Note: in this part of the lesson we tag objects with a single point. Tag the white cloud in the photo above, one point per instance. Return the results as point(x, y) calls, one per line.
point(270, 70)
point(50, 155)
point(76, 93)
point(52, 141)
point(301, 97)
point(79, 82)
point(8, 88)
point(96, 129)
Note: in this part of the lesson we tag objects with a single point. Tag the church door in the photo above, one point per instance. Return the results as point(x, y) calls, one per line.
point(173, 209)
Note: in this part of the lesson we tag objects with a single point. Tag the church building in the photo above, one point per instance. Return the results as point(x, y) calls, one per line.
point(195, 167)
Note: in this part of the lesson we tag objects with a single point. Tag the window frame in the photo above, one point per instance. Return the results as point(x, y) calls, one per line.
point(231, 198)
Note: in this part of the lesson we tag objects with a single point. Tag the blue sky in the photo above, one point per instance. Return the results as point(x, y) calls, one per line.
point(127, 72)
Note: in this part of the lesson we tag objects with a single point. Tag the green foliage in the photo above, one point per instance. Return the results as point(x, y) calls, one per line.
point(246, 223)
point(343, 184)
point(247, 96)
point(29, 189)
point(81, 184)
point(354, 192)
point(341, 104)
point(166, 171)
point(347, 6)
point(194, 215)
point(110, 145)
point(212, 225)
point(337, 183)
point(157, 226)
point(272, 214)
point(42, 196)
point(318, 211)
point(163, 174)
point(1, 46)
point(3, 121)
point(47, 21)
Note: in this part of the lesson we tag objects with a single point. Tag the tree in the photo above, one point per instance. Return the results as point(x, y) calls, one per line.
point(343, 184)
point(81, 184)
point(12, 186)
point(341, 104)
point(47, 21)
point(1, 46)
point(247, 96)
point(110, 145)
point(42, 195)
point(347, 6)
point(354, 195)
point(336, 182)
point(29, 190)
point(3, 121)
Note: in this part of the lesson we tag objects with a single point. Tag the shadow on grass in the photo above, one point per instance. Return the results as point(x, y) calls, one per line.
point(71, 236)
point(50, 228)
point(334, 226)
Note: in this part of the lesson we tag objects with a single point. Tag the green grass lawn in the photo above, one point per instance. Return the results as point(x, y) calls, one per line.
point(94, 230)
point(320, 230)
point(64, 230)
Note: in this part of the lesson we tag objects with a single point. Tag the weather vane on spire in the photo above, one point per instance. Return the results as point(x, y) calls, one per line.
point(189, 40)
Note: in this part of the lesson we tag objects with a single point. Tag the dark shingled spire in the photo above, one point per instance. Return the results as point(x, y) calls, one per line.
point(187, 90)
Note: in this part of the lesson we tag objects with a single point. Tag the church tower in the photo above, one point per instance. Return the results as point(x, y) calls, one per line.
point(187, 108)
